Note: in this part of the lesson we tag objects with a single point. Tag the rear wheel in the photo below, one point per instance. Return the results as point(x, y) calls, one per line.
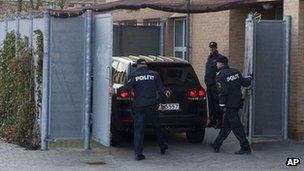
point(116, 137)
point(196, 136)
point(116, 134)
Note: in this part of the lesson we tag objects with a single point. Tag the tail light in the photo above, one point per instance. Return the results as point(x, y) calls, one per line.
point(125, 94)
point(193, 93)
point(196, 94)
point(201, 93)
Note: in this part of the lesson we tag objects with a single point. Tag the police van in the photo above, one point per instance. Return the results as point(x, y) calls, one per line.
point(185, 108)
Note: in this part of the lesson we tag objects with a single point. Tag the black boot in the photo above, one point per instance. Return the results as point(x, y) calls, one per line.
point(218, 125)
point(140, 157)
point(243, 151)
point(163, 149)
point(216, 148)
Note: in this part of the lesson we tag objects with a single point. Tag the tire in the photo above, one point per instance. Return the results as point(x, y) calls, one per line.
point(116, 137)
point(196, 136)
point(116, 134)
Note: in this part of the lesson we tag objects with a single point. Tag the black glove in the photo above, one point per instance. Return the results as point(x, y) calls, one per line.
point(251, 76)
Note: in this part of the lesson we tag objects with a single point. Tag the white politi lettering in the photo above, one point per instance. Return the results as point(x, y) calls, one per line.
point(233, 77)
point(144, 77)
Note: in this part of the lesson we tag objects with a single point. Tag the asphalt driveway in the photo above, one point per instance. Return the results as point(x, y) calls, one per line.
point(181, 156)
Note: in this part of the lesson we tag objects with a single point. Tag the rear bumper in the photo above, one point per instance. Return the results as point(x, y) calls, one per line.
point(172, 123)
point(195, 118)
point(182, 120)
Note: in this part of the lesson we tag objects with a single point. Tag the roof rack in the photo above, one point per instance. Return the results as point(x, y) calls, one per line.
point(166, 58)
point(151, 58)
point(135, 58)
point(148, 58)
point(175, 59)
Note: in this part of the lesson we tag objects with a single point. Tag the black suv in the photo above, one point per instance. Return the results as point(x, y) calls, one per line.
point(186, 109)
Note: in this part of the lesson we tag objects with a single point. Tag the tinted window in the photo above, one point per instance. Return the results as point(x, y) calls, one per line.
point(183, 75)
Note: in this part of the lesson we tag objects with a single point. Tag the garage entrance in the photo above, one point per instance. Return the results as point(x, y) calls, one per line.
point(267, 56)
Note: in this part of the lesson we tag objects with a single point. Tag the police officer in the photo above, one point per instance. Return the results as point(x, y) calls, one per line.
point(148, 88)
point(215, 114)
point(229, 82)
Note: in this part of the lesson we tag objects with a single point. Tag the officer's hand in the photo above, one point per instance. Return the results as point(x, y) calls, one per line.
point(112, 90)
point(251, 76)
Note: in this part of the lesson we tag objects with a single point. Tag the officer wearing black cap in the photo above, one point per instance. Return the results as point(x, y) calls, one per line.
point(229, 82)
point(148, 90)
point(215, 114)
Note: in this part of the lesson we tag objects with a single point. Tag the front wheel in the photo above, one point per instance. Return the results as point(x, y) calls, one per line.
point(196, 136)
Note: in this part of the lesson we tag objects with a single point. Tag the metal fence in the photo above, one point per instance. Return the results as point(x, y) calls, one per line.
point(267, 56)
point(77, 49)
point(69, 51)
point(23, 25)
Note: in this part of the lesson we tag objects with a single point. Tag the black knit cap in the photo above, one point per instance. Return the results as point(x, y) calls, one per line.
point(222, 59)
point(213, 45)
point(141, 61)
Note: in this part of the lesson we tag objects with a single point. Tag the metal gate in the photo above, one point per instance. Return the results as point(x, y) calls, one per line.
point(102, 72)
point(67, 78)
point(267, 56)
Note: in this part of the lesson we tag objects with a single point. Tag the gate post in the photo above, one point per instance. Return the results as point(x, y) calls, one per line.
point(6, 23)
point(88, 83)
point(45, 82)
point(248, 69)
point(31, 32)
point(287, 23)
point(161, 38)
point(17, 31)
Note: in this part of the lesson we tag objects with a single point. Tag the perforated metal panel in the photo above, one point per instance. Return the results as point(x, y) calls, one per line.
point(38, 24)
point(267, 55)
point(24, 29)
point(2, 32)
point(102, 79)
point(268, 87)
point(67, 74)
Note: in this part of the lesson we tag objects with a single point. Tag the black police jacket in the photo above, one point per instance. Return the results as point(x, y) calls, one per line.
point(211, 69)
point(229, 82)
point(147, 87)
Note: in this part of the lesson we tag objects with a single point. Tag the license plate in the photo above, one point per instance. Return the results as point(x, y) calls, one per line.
point(170, 106)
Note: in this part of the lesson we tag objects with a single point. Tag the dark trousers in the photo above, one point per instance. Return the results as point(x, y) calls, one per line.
point(215, 114)
point(232, 122)
point(150, 114)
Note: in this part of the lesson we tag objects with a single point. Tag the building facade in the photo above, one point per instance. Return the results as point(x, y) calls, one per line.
point(228, 29)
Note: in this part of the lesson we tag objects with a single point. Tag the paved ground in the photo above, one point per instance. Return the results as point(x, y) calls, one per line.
point(181, 156)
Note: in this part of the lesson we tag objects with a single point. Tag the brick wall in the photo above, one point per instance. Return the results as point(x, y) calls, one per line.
point(295, 8)
point(205, 28)
point(228, 29)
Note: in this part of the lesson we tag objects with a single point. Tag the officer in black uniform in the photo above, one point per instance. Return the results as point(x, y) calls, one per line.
point(148, 90)
point(229, 82)
point(215, 114)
